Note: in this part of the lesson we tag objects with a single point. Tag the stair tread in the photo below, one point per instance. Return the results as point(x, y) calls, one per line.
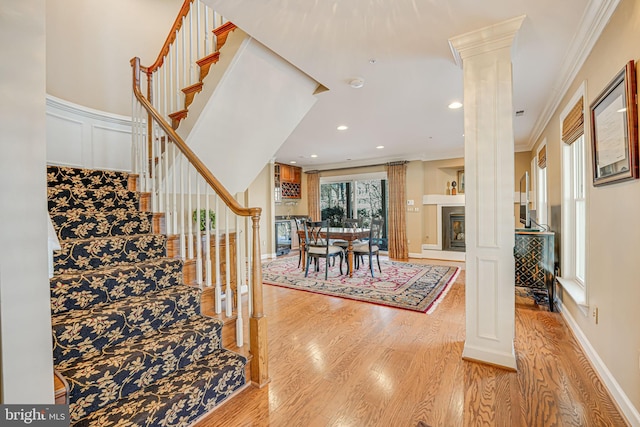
point(79, 332)
point(84, 224)
point(179, 398)
point(60, 175)
point(117, 371)
point(64, 198)
point(91, 254)
point(81, 289)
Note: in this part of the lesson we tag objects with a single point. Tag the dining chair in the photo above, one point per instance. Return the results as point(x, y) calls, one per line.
point(299, 227)
point(317, 246)
point(372, 246)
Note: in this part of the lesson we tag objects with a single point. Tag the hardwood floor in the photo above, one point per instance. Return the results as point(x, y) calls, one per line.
point(336, 362)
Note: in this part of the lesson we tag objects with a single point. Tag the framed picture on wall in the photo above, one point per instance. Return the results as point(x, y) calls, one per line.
point(461, 182)
point(614, 130)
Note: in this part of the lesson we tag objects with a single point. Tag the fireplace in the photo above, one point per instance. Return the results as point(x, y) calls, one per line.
point(453, 231)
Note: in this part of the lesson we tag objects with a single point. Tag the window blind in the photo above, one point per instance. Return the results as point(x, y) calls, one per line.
point(542, 157)
point(573, 123)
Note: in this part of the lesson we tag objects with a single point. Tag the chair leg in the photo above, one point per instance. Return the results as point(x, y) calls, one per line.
point(306, 270)
point(371, 264)
point(378, 258)
point(341, 264)
point(326, 266)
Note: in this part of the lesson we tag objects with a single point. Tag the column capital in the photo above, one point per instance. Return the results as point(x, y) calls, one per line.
point(484, 40)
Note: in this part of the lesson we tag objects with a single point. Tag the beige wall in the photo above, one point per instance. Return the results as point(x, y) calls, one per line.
point(612, 218)
point(522, 164)
point(260, 194)
point(90, 43)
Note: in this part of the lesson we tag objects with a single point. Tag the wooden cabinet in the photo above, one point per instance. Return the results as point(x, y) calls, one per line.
point(288, 181)
point(534, 264)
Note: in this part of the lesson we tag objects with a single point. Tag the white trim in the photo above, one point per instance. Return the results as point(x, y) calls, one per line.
point(90, 113)
point(576, 292)
point(444, 255)
point(595, 18)
point(353, 177)
point(618, 394)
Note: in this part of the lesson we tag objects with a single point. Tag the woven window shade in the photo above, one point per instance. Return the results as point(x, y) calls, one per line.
point(573, 124)
point(542, 157)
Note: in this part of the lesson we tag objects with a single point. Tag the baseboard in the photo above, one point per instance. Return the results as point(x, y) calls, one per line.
point(619, 396)
point(444, 255)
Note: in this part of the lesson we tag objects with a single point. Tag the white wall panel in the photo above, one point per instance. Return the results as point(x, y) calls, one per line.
point(83, 137)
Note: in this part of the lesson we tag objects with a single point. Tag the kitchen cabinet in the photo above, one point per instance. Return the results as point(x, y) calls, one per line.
point(288, 182)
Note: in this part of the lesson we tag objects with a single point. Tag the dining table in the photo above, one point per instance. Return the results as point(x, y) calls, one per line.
point(349, 234)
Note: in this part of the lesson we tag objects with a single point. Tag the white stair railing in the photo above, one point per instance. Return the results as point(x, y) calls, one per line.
point(191, 39)
point(180, 184)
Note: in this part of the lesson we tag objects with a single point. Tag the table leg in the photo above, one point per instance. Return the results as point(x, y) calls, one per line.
point(303, 255)
point(350, 257)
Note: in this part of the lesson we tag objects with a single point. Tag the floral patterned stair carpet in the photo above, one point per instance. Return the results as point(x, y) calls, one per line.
point(128, 336)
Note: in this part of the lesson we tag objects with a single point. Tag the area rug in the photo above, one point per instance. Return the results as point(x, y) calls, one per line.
point(403, 285)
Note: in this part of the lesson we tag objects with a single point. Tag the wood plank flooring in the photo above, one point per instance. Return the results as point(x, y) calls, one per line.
point(336, 362)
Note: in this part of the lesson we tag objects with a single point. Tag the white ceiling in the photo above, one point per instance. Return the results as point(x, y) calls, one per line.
point(403, 104)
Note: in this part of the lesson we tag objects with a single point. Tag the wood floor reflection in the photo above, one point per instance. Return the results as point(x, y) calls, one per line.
point(336, 362)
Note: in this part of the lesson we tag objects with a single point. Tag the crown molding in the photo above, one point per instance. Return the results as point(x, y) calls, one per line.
point(486, 39)
point(594, 20)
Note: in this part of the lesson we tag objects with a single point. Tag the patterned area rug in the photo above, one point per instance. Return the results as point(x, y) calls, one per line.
point(414, 287)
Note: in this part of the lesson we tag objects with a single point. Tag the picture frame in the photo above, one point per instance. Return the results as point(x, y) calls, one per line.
point(614, 130)
point(461, 182)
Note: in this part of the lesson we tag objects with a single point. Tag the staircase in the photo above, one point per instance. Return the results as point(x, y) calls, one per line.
point(130, 341)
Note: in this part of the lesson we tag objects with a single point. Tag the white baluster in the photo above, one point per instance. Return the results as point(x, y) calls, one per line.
point(189, 211)
point(183, 241)
point(167, 204)
point(198, 30)
point(218, 291)
point(169, 67)
point(249, 254)
point(239, 275)
point(191, 57)
point(154, 175)
point(228, 297)
point(183, 33)
point(161, 137)
point(208, 225)
point(206, 30)
point(174, 167)
point(164, 92)
point(198, 235)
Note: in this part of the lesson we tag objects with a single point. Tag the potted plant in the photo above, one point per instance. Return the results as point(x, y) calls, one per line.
point(203, 219)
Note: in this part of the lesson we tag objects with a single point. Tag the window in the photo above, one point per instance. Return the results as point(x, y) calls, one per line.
point(573, 257)
point(539, 168)
point(363, 197)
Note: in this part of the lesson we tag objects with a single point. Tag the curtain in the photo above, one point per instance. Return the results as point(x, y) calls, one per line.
point(397, 176)
point(573, 124)
point(313, 195)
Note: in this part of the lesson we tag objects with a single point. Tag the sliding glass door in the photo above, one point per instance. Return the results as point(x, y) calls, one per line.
point(361, 199)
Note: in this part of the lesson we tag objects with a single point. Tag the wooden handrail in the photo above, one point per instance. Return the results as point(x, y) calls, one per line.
point(177, 24)
point(186, 151)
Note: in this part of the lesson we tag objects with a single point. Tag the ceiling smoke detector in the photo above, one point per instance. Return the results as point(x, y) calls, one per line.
point(357, 83)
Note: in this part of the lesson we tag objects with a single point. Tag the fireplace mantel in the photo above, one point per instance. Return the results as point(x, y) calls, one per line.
point(435, 250)
point(443, 199)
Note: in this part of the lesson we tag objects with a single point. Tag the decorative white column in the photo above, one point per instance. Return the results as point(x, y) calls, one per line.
point(485, 56)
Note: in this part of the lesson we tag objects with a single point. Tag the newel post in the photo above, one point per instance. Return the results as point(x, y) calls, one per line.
point(258, 322)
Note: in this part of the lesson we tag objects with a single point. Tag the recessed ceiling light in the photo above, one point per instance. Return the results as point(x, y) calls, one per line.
point(455, 105)
point(293, 162)
point(380, 147)
point(357, 83)
point(314, 156)
point(373, 61)
point(342, 127)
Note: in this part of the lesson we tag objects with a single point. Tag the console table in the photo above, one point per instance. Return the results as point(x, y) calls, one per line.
point(534, 262)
